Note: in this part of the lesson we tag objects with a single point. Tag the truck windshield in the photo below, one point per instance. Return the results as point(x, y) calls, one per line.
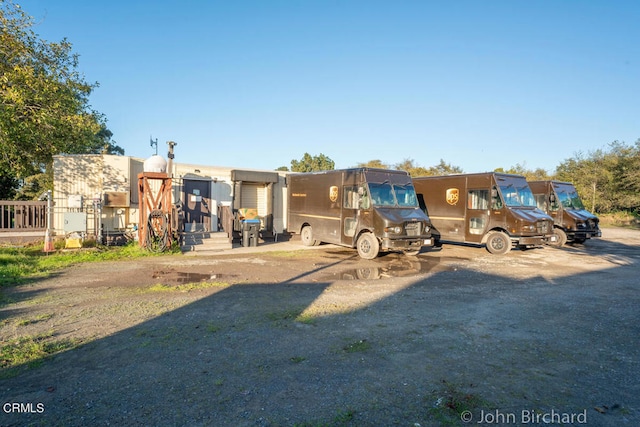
point(569, 198)
point(387, 194)
point(517, 194)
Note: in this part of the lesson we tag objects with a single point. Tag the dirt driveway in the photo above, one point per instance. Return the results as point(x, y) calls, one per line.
point(321, 338)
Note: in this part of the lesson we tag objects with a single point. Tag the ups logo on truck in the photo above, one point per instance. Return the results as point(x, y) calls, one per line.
point(333, 193)
point(452, 196)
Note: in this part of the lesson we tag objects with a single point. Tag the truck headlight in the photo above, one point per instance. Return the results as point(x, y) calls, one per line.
point(529, 228)
point(396, 230)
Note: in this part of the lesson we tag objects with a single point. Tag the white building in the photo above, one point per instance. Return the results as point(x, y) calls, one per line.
point(99, 193)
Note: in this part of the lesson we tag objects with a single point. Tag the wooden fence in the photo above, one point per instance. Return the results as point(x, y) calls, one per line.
point(22, 216)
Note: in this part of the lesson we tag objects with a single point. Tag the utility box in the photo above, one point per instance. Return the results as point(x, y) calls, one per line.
point(75, 201)
point(75, 221)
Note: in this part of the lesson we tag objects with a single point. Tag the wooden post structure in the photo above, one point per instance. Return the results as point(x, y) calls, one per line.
point(154, 229)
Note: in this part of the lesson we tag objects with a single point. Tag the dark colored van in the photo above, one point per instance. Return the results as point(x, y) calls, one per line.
point(369, 209)
point(572, 223)
point(493, 209)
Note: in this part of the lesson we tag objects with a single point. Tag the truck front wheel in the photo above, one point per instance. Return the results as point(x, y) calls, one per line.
point(368, 246)
point(306, 235)
point(561, 238)
point(498, 243)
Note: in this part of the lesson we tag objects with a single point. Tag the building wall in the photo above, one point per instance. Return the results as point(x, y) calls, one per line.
point(110, 179)
point(100, 186)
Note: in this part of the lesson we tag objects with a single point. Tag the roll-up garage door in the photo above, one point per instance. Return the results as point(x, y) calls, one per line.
point(254, 196)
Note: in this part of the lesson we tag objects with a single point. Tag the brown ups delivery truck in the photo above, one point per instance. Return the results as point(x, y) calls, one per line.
point(571, 221)
point(494, 209)
point(369, 209)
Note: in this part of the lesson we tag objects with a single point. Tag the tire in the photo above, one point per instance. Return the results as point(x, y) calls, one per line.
point(368, 246)
point(498, 243)
point(561, 238)
point(306, 235)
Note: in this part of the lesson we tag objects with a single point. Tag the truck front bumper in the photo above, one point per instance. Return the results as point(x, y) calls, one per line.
point(406, 244)
point(534, 240)
point(584, 235)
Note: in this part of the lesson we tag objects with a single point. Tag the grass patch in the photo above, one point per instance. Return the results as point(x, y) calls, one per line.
point(288, 314)
point(18, 265)
point(620, 219)
point(30, 351)
point(294, 314)
point(358, 346)
point(306, 318)
point(36, 319)
point(451, 402)
point(213, 328)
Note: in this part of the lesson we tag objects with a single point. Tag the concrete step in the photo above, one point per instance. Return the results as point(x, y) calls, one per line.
point(202, 242)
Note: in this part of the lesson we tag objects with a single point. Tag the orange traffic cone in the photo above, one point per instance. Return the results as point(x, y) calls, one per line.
point(48, 242)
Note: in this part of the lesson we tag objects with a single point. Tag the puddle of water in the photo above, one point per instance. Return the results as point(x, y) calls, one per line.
point(182, 277)
point(198, 277)
point(397, 267)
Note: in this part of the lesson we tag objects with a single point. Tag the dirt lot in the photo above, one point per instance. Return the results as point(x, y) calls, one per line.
point(319, 337)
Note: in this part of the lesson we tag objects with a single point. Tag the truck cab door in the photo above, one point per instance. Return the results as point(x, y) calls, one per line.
point(356, 204)
point(554, 210)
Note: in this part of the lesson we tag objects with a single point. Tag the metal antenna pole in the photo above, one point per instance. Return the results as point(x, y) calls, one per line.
point(170, 157)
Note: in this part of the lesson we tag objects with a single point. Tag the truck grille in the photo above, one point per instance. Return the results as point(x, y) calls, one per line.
point(543, 227)
point(413, 228)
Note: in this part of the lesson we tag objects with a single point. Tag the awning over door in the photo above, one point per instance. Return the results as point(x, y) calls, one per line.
point(254, 190)
point(254, 176)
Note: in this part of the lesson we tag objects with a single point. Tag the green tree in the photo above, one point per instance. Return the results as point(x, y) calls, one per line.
point(8, 184)
point(374, 164)
point(625, 171)
point(283, 168)
point(444, 168)
point(607, 180)
point(310, 163)
point(413, 169)
point(103, 144)
point(538, 174)
point(44, 101)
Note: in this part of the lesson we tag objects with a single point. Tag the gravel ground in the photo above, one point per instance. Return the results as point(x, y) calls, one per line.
point(321, 338)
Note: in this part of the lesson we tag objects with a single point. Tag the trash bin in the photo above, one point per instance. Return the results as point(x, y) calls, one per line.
point(250, 229)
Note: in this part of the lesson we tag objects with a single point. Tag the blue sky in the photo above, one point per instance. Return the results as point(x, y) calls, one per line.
point(254, 84)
